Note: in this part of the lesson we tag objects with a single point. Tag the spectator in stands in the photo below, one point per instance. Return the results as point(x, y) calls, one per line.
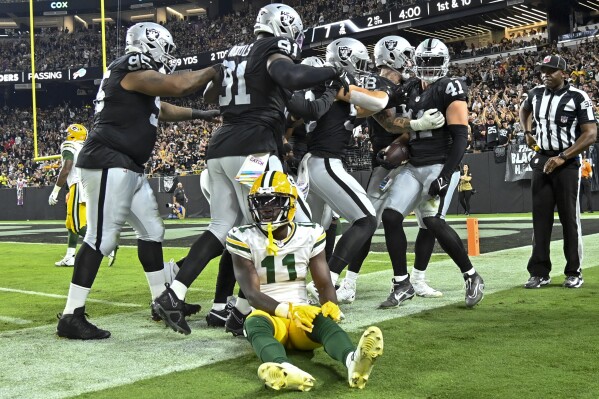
point(586, 195)
point(465, 188)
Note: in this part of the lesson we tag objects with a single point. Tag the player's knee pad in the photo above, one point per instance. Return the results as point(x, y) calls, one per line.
point(434, 224)
point(392, 218)
point(153, 230)
point(106, 245)
point(368, 224)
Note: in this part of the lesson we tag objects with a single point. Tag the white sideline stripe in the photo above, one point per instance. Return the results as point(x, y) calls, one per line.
point(14, 320)
point(121, 304)
point(140, 349)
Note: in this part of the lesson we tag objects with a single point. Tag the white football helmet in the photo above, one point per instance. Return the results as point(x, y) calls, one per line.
point(313, 61)
point(152, 39)
point(348, 53)
point(394, 52)
point(431, 60)
point(280, 20)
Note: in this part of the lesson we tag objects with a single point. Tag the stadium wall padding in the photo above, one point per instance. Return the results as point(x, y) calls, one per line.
point(494, 195)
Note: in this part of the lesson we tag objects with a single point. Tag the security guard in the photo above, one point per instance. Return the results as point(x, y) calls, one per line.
point(565, 127)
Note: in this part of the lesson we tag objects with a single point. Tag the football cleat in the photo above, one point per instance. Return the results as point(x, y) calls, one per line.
point(312, 293)
point(537, 282)
point(66, 261)
point(573, 282)
point(346, 292)
point(369, 349)
point(188, 310)
point(112, 256)
point(171, 310)
point(421, 288)
point(400, 292)
point(76, 326)
point(234, 323)
point(218, 318)
point(475, 287)
point(285, 376)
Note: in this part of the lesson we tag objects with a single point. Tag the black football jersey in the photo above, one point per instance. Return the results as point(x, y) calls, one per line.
point(430, 147)
point(379, 137)
point(332, 133)
point(251, 103)
point(125, 123)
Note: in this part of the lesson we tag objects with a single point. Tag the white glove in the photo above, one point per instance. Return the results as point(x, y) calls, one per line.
point(53, 199)
point(431, 119)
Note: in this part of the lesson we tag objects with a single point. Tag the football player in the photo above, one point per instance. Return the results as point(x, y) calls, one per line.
point(247, 143)
point(393, 56)
point(392, 64)
point(424, 180)
point(75, 222)
point(111, 163)
point(271, 259)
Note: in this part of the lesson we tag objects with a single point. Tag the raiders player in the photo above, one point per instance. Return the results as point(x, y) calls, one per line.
point(252, 104)
point(272, 258)
point(424, 181)
point(111, 163)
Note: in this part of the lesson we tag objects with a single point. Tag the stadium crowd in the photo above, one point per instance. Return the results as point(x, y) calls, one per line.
point(497, 84)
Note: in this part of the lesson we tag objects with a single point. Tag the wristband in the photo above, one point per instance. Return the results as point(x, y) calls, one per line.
point(56, 190)
point(562, 156)
point(283, 310)
point(528, 133)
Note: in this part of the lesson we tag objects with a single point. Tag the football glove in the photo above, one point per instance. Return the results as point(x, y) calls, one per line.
point(380, 158)
point(342, 77)
point(53, 199)
point(331, 310)
point(303, 316)
point(431, 119)
point(439, 186)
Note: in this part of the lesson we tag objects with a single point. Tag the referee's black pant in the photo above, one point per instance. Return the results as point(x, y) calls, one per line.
point(559, 188)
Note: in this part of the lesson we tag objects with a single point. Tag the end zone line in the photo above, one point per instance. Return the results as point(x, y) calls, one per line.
point(120, 304)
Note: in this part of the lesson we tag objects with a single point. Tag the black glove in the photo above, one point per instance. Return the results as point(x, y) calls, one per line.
point(342, 77)
point(380, 159)
point(439, 186)
point(210, 115)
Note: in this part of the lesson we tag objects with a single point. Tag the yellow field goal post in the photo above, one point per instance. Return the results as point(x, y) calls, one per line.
point(36, 155)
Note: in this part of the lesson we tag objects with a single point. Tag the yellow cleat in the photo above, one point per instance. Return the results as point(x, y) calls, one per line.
point(369, 349)
point(285, 376)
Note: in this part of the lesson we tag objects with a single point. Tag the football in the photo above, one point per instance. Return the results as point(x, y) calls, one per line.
point(397, 154)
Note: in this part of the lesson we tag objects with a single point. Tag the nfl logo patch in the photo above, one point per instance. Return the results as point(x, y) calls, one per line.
point(564, 119)
point(546, 59)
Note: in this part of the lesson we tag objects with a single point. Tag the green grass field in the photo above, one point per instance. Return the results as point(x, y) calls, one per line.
point(515, 344)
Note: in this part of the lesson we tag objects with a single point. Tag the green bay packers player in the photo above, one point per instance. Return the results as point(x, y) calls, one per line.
point(76, 222)
point(271, 259)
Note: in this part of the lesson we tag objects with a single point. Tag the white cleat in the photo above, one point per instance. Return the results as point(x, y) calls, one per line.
point(285, 376)
point(170, 271)
point(369, 349)
point(346, 293)
point(66, 261)
point(424, 290)
point(112, 256)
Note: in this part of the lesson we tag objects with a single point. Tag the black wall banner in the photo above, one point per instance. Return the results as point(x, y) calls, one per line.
point(517, 166)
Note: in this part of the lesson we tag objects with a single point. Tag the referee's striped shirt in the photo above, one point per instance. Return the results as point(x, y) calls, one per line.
point(558, 115)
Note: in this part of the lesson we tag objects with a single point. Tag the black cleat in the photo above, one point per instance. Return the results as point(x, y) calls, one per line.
point(218, 318)
point(400, 292)
point(234, 323)
point(76, 326)
point(475, 287)
point(188, 310)
point(171, 310)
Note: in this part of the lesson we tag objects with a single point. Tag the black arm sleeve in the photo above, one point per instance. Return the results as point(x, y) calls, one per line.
point(297, 76)
point(308, 110)
point(459, 134)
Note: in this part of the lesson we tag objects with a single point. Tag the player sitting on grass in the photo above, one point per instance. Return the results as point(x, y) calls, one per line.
point(271, 259)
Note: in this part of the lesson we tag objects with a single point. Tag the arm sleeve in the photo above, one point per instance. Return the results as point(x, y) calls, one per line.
point(459, 134)
point(297, 76)
point(308, 110)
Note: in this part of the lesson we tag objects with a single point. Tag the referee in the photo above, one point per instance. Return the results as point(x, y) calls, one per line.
point(565, 127)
